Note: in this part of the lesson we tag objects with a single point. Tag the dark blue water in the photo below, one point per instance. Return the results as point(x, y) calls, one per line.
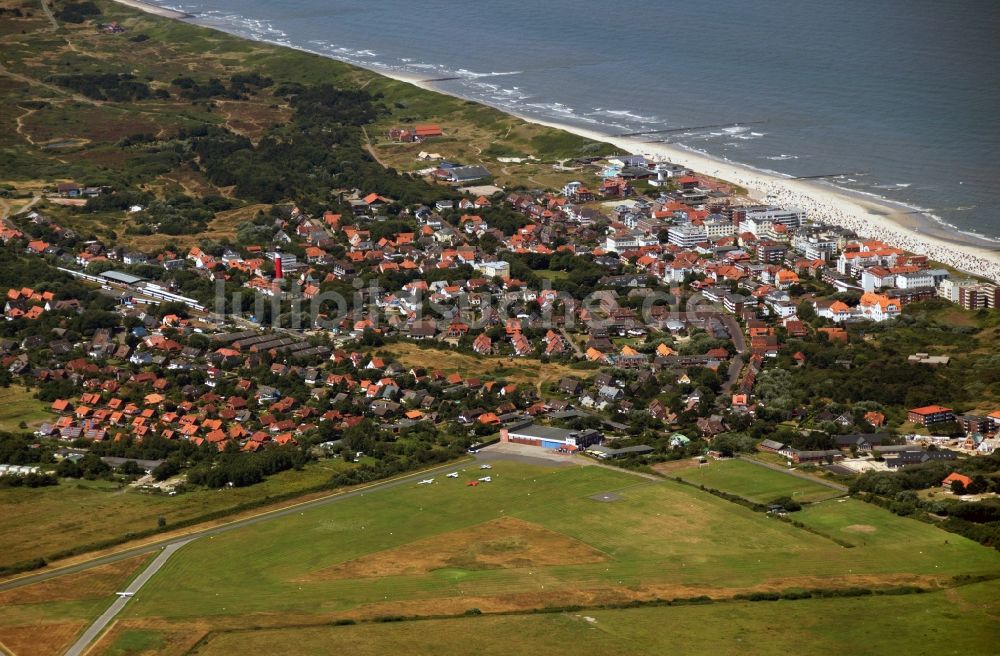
point(901, 95)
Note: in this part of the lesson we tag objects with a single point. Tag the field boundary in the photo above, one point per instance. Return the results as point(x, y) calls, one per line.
point(790, 595)
point(762, 508)
point(796, 474)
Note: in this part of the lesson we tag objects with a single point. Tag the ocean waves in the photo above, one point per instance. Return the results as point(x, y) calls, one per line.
point(556, 64)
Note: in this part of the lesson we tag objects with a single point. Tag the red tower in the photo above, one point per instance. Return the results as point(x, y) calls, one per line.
point(277, 266)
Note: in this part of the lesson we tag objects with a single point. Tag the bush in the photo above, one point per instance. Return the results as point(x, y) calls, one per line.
point(77, 12)
point(788, 504)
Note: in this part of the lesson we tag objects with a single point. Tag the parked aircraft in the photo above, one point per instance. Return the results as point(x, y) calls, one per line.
point(453, 475)
point(426, 481)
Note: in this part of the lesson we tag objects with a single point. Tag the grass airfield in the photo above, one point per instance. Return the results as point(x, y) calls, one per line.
point(535, 538)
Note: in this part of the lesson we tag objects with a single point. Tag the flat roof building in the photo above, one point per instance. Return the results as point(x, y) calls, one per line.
point(550, 437)
point(122, 277)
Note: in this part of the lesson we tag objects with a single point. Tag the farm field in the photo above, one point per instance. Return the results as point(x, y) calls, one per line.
point(18, 404)
point(754, 482)
point(963, 622)
point(446, 548)
point(50, 520)
point(44, 618)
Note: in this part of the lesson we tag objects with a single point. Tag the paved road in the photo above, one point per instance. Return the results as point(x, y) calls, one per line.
point(791, 472)
point(95, 629)
point(573, 345)
point(216, 530)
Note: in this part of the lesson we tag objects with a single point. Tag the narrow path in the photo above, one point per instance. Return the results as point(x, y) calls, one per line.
point(6, 209)
point(797, 474)
point(95, 629)
point(371, 151)
point(20, 126)
point(48, 14)
point(595, 463)
point(51, 87)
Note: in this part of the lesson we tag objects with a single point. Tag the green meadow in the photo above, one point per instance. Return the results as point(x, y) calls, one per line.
point(755, 483)
point(960, 621)
point(656, 540)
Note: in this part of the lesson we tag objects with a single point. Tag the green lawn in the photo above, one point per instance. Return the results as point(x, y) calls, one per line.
point(754, 482)
point(866, 525)
point(49, 520)
point(659, 540)
point(957, 622)
point(17, 404)
point(552, 274)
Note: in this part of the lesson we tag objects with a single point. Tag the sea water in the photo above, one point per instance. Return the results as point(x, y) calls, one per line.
point(895, 98)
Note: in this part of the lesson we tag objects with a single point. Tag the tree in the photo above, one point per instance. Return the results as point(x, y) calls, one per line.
point(978, 485)
point(130, 468)
point(788, 504)
point(806, 311)
point(166, 469)
point(730, 444)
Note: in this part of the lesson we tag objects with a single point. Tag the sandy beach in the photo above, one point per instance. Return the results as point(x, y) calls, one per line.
point(870, 218)
point(156, 10)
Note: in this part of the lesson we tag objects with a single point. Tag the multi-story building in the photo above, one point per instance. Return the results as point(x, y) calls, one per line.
point(770, 252)
point(816, 245)
point(979, 297)
point(877, 277)
point(753, 219)
point(734, 303)
point(686, 235)
point(495, 269)
point(907, 296)
point(879, 307)
point(949, 289)
point(717, 226)
point(914, 279)
point(930, 414)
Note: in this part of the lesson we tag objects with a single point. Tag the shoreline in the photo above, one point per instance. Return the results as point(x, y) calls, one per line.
point(898, 226)
point(156, 10)
point(872, 218)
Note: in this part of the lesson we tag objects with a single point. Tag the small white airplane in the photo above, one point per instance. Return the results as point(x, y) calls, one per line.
point(453, 475)
point(125, 594)
point(486, 479)
point(486, 466)
point(426, 481)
